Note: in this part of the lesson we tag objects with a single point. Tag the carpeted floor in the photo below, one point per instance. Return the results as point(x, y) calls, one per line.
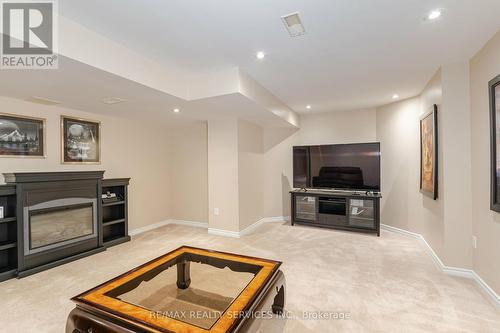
point(353, 282)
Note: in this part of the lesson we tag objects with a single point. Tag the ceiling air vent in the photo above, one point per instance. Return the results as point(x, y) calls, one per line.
point(293, 24)
point(113, 100)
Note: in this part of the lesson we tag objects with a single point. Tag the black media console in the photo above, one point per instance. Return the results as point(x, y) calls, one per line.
point(345, 210)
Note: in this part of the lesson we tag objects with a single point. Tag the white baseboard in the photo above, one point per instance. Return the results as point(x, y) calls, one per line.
point(221, 232)
point(274, 219)
point(487, 289)
point(195, 224)
point(149, 227)
point(248, 230)
point(212, 231)
point(401, 231)
point(449, 270)
point(167, 222)
point(251, 228)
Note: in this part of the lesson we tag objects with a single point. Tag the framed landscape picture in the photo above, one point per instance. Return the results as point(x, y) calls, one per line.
point(494, 88)
point(429, 153)
point(80, 141)
point(22, 136)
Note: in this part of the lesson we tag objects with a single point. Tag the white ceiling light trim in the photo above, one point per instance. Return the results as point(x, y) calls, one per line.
point(177, 110)
point(395, 96)
point(434, 14)
point(293, 24)
point(260, 55)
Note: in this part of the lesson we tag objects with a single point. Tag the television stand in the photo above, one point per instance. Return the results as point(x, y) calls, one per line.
point(345, 210)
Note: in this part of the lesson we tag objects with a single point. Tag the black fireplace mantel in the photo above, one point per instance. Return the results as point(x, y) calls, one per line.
point(27, 196)
point(36, 177)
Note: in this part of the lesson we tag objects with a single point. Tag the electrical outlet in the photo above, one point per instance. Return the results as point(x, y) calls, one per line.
point(474, 242)
point(216, 211)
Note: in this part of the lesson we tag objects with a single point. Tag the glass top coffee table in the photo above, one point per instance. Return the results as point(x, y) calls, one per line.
point(186, 290)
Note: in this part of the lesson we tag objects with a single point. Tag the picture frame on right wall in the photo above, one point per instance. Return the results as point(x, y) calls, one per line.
point(494, 95)
point(429, 153)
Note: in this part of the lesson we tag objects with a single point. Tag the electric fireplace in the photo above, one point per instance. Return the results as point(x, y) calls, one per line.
point(52, 224)
point(58, 214)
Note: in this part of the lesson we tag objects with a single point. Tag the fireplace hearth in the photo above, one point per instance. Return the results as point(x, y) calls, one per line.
point(58, 216)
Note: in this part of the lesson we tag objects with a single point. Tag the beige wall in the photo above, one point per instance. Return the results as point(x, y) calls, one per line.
point(462, 210)
point(427, 215)
point(235, 152)
point(278, 171)
point(445, 223)
point(223, 191)
point(338, 127)
point(484, 66)
point(448, 223)
point(188, 172)
point(457, 184)
point(122, 156)
point(397, 131)
point(250, 173)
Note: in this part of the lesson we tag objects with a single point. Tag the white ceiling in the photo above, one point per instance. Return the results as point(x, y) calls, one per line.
point(82, 87)
point(356, 53)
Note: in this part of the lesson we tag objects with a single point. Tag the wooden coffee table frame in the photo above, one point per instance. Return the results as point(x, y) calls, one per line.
point(97, 298)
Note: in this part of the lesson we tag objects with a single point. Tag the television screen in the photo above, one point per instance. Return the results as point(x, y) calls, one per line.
point(344, 166)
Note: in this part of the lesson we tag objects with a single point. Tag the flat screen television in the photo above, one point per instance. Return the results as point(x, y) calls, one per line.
point(343, 166)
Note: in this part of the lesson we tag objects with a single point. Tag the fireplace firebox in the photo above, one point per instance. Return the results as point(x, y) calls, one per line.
point(52, 224)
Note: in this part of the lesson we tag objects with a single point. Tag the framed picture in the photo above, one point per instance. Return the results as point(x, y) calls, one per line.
point(21, 136)
point(494, 88)
point(429, 153)
point(80, 141)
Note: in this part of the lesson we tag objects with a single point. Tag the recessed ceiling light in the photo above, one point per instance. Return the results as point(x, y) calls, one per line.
point(434, 14)
point(395, 96)
point(113, 100)
point(260, 55)
point(176, 110)
point(308, 107)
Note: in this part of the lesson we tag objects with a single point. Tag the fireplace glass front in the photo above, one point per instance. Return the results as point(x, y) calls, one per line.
point(55, 226)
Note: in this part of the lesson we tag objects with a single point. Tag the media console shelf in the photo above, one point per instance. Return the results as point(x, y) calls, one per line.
point(8, 232)
point(345, 210)
point(115, 213)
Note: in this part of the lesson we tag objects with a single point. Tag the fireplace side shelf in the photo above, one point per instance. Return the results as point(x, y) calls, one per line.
point(8, 232)
point(114, 216)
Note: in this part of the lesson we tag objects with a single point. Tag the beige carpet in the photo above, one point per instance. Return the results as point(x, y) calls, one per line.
point(386, 284)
